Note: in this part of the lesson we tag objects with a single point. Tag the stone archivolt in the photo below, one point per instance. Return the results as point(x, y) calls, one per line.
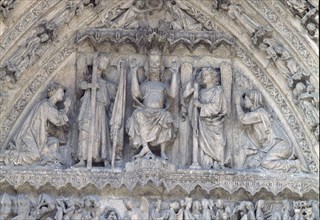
point(217, 95)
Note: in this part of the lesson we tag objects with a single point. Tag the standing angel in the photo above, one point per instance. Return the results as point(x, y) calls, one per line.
point(213, 108)
point(104, 97)
point(32, 143)
point(151, 123)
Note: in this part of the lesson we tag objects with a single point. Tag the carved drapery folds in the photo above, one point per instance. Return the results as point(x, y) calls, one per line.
point(255, 30)
point(162, 95)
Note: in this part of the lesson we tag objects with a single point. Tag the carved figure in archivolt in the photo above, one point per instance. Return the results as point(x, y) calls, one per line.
point(284, 61)
point(308, 99)
point(21, 58)
point(96, 121)
point(133, 16)
point(179, 19)
point(299, 5)
point(313, 31)
point(61, 19)
point(33, 142)
point(6, 6)
point(151, 123)
point(213, 108)
point(237, 13)
point(268, 150)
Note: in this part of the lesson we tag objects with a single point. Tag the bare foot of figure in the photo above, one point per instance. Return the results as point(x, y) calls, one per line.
point(142, 153)
point(164, 156)
point(81, 163)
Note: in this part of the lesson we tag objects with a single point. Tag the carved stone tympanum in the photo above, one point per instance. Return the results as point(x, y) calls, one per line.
point(159, 109)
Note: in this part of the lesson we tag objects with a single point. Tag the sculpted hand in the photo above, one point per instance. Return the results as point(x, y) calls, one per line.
point(134, 64)
point(67, 104)
point(83, 85)
point(197, 103)
point(121, 62)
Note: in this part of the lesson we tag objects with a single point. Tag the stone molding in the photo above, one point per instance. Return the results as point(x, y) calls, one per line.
point(207, 180)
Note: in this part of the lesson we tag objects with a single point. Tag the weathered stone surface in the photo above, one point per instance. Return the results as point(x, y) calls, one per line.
point(167, 109)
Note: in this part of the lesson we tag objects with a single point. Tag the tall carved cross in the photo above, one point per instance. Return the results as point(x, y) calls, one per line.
point(94, 86)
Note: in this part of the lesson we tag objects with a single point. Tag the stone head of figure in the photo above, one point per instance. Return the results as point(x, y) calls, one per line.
point(196, 206)
point(175, 206)
point(139, 3)
point(253, 99)
point(311, 27)
point(110, 214)
point(300, 88)
point(154, 65)
point(44, 37)
point(279, 49)
point(224, 7)
point(91, 202)
point(209, 76)
point(249, 206)
point(219, 204)
point(260, 204)
point(56, 92)
point(102, 63)
point(87, 203)
point(205, 203)
point(5, 206)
